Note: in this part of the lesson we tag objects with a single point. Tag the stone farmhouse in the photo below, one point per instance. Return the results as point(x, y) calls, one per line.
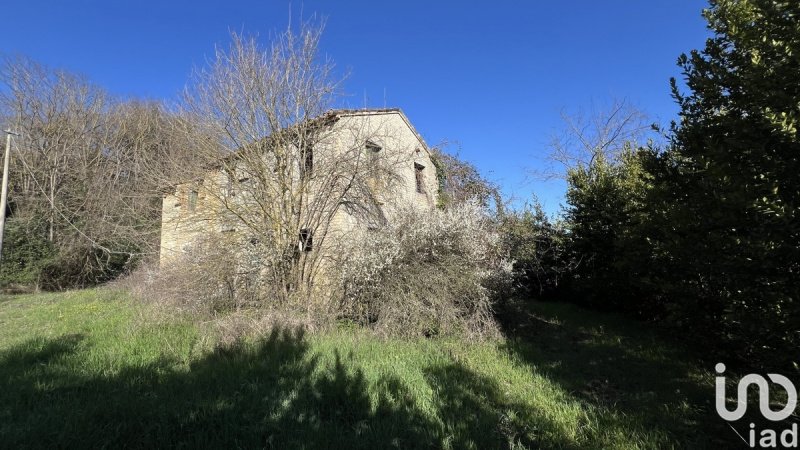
point(391, 158)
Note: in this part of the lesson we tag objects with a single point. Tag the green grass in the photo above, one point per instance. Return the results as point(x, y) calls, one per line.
point(82, 369)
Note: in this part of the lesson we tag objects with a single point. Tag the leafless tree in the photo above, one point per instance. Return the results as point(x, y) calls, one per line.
point(271, 165)
point(605, 131)
point(59, 117)
point(82, 168)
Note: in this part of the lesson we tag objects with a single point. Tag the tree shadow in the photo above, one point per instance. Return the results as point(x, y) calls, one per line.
point(475, 414)
point(278, 393)
point(270, 395)
point(621, 369)
point(273, 394)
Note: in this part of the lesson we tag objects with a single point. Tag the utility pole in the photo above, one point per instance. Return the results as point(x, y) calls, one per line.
point(4, 195)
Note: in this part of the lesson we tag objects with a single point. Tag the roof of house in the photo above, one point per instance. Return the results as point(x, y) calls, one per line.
point(377, 111)
point(334, 114)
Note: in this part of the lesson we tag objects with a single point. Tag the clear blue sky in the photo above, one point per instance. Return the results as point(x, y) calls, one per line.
point(491, 76)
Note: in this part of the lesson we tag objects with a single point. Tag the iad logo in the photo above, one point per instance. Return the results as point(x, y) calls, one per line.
point(763, 396)
point(768, 437)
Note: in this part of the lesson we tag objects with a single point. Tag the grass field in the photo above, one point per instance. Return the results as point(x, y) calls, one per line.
point(83, 369)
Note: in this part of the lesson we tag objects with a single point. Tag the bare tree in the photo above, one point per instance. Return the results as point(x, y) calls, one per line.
point(605, 131)
point(59, 116)
point(143, 139)
point(82, 169)
point(270, 164)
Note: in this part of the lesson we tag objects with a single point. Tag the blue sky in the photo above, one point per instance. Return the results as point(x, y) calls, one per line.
point(490, 77)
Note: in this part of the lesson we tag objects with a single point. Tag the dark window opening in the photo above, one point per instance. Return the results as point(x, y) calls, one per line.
point(308, 159)
point(373, 157)
point(419, 177)
point(306, 240)
point(192, 200)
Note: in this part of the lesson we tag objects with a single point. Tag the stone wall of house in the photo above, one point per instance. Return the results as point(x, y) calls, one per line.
point(405, 153)
point(193, 209)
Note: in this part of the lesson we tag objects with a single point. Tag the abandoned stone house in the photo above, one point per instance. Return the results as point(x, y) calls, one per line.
point(374, 136)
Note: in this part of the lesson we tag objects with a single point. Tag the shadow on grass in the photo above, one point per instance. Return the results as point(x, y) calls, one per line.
point(474, 410)
point(620, 368)
point(244, 396)
point(276, 394)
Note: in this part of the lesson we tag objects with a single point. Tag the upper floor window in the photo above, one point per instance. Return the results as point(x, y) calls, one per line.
point(419, 176)
point(373, 157)
point(308, 159)
point(192, 200)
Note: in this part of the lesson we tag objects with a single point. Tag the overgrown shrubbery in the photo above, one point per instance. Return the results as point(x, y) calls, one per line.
point(429, 273)
point(212, 276)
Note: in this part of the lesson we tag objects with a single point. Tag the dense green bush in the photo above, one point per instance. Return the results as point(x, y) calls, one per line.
point(607, 219)
point(83, 264)
point(705, 234)
point(26, 252)
point(537, 248)
point(30, 261)
point(728, 189)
